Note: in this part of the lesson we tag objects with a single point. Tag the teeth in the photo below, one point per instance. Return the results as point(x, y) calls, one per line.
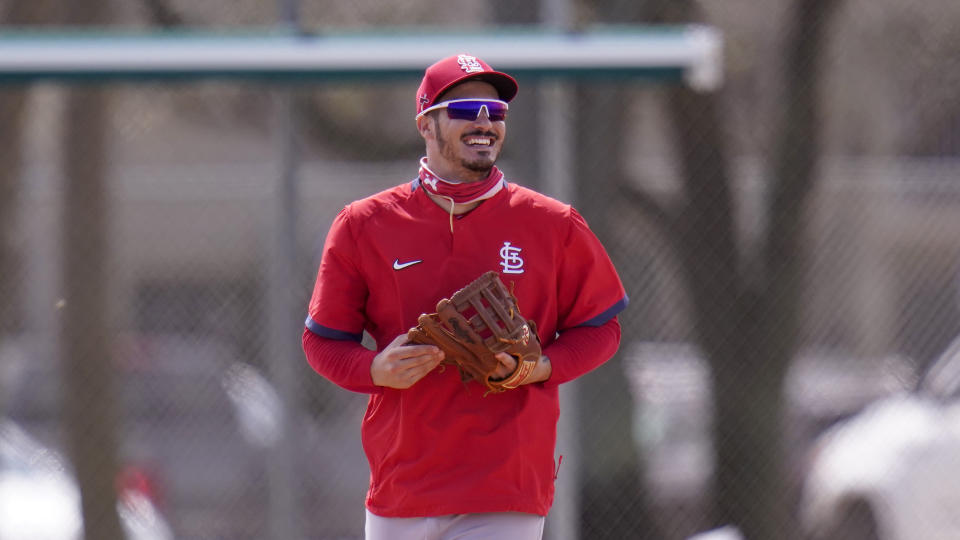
point(477, 140)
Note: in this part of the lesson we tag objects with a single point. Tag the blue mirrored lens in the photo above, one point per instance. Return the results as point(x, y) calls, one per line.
point(470, 110)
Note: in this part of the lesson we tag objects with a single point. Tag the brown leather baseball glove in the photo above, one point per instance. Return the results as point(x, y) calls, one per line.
point(477, 322)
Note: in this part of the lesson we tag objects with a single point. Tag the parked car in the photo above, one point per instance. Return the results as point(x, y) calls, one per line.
point(673, 416)
point(40, 500)
point(196, 426)
point(892, 472)
point(728, 532)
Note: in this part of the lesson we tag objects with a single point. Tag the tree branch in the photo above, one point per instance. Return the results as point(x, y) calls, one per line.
point(647, 205)
point(798, 139)
point(162, 14)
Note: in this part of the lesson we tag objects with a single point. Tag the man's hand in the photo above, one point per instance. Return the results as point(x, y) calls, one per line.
point(508, 364)
point(400, 366)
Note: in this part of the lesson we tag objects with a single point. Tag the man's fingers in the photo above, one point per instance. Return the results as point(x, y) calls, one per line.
point(400, 364)
point(508, 364)
point(400, 348)
point(397, 341)
point(410, 370)
point(413, 352)
point(420, 371)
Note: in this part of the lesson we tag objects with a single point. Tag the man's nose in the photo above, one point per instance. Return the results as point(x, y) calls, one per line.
point(483, 117)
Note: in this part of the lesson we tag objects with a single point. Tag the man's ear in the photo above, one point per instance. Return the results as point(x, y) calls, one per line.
point(425, 126)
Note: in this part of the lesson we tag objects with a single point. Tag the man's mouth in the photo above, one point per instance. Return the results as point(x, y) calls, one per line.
point(478, 140)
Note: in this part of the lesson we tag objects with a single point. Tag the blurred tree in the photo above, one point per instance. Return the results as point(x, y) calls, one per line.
point(746, 309)
point(614, 504)
point(13, 105)
point(162, 14)
point(89, 405)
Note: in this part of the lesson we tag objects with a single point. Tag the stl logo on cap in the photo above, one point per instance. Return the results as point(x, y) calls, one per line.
point(469, 64)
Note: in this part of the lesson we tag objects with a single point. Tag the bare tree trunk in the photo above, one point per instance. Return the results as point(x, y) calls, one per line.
point(614, 502)
point(89, 404)
point(614, 506)
point(708, 252)
point(750, 330)
point(90, 409)
point(603, 184)
point(13, 103)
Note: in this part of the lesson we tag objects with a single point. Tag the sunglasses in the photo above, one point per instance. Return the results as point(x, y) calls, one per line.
point(469, 109)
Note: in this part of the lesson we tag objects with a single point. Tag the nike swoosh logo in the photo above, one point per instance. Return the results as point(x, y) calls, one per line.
point(397, 265)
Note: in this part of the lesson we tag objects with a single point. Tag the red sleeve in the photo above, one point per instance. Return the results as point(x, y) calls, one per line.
point(579, 350)
point(340, 293)
point(589, 291)
point(345, 363)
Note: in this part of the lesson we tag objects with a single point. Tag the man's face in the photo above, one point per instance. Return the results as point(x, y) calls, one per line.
point(463, 149)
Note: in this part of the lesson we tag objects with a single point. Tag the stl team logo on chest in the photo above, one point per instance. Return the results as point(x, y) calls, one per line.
point(511, 261)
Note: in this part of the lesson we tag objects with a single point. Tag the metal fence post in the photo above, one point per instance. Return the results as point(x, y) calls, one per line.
point(556, 135)
point(282, 348)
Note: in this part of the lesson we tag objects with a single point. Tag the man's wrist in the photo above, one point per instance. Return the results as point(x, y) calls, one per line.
point(543, 370)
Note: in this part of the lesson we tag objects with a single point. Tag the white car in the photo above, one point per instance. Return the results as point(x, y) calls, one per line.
point(195, 429)
point(39, 498)
point(672, 392)
point(892, 472)
point(671, 388)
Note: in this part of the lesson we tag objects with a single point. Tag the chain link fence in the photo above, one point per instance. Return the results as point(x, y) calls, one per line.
point(785, 272)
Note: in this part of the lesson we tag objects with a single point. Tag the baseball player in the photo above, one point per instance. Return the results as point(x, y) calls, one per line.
point(448, 459)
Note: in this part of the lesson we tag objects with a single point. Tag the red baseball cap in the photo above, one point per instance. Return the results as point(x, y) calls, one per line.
point(453, 70)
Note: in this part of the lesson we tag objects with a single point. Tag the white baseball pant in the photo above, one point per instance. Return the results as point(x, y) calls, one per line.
point(487, 526)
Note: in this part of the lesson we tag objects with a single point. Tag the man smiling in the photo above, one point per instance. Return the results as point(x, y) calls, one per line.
point(446, 460)
point(471, 150)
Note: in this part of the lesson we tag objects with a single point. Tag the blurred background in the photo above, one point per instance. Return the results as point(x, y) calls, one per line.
point(790, 243)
